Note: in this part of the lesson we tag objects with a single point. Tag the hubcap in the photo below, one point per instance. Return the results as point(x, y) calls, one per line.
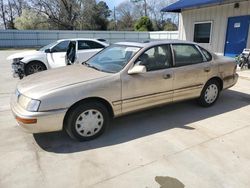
point(35, 68)
point(89, 123)
point(211, 93)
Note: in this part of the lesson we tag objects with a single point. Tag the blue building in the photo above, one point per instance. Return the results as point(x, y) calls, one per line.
point(219, 25)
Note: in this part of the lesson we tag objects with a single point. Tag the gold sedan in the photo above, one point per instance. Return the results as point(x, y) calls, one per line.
point(123, 78)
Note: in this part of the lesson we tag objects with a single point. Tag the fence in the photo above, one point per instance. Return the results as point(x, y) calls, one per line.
point(37, 38)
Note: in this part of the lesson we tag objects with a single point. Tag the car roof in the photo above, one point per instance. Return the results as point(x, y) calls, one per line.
point(102, 41)
point(154, 42)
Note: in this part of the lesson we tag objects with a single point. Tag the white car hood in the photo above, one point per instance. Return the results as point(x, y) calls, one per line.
point(24, 54)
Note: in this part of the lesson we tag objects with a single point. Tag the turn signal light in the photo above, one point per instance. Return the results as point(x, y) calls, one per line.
point(26, 121)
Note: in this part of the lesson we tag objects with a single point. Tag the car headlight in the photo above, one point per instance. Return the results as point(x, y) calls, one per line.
point(29, 104)
point(17, 60)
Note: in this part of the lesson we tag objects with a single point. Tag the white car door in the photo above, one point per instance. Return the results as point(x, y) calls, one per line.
point(56, 57)
point(86, 49)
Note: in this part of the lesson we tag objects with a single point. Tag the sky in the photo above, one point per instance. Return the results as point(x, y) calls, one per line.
point(112, 3)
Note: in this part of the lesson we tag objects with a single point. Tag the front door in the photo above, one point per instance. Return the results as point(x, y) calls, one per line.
point(153, 87)
point(57, 56)
point(237, 35)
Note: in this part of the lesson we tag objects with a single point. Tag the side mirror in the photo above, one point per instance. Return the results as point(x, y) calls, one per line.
point(137, 69)
point(47, 50)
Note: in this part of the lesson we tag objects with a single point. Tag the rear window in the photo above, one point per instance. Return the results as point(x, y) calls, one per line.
point(83, 45)
point(207, 55)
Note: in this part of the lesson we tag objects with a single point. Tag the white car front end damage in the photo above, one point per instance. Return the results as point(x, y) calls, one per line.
point(51, 56)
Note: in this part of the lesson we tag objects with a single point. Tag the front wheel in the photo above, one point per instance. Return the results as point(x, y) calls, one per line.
point(87, 121)
point(209, 94)
point(34, 67)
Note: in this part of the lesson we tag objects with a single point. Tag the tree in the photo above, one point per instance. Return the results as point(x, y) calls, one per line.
point(30, 19)
point(144, 24)
point(101, 15)
point(3, 13)
point(62, 14)
point(170, 26)
point(94, 16)
point(9, 10)
point(127, 14)
point(145, 7)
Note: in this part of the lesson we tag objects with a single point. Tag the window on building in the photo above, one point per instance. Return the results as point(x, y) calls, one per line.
point(202, 32)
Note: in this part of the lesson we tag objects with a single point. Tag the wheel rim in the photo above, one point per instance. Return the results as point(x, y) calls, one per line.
point(35, 68)
point(89, 123)
point(211, 93)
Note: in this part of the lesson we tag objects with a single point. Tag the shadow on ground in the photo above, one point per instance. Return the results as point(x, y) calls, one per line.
point(169, 182)
point(145, 123)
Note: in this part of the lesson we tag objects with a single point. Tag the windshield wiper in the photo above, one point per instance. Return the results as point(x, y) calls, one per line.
point(91, 66)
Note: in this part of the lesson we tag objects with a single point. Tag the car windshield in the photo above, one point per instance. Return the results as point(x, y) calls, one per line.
point(48, 46)
point(113, 58)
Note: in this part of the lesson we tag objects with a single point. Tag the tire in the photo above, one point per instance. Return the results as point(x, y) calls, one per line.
point(209, 94)
point(34, 67)
point(87, 121)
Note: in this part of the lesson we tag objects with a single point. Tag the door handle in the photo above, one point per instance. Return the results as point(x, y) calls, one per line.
point(167, 76)
point(207, 69)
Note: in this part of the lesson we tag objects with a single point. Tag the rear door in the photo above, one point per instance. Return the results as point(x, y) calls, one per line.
point(190, 71)
point(86, 49)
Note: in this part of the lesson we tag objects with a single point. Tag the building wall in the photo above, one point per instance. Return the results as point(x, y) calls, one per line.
point(219, 16)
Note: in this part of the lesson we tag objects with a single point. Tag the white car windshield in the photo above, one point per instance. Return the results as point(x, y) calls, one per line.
point(113, 58)
point(48, 46)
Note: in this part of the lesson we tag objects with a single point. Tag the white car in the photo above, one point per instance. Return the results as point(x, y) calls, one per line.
point(60, 53)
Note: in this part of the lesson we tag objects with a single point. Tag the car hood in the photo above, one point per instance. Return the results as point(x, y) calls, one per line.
point(44, 82)
point(24, 54)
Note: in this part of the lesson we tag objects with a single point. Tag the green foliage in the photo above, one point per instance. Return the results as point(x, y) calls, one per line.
point(102, 12)
point(86, 15)
point(144, 24)
point(170, 26)
point(31, 20)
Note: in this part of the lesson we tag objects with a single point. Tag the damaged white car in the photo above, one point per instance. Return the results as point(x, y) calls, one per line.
point(58, 54)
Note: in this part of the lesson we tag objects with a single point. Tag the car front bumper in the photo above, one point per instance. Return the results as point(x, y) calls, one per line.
point(18, 69)
point(44, 121)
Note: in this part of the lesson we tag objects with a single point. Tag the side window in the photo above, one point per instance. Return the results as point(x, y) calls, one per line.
point(94, 45)
point(207, 55)
point(186, 55)
point(82, 45)
point(61, 47)
point(157, 58)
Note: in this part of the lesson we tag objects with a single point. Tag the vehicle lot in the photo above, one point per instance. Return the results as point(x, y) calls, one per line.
point(173, 146)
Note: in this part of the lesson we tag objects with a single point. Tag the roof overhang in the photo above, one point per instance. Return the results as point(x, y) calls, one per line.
point(187, 4)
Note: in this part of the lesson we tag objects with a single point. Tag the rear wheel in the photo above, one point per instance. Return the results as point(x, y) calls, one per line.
point(34, 67)
point(209, 94)
point(87, 121)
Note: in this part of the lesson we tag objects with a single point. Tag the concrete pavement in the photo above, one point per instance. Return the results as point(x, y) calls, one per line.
point(176, 146)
